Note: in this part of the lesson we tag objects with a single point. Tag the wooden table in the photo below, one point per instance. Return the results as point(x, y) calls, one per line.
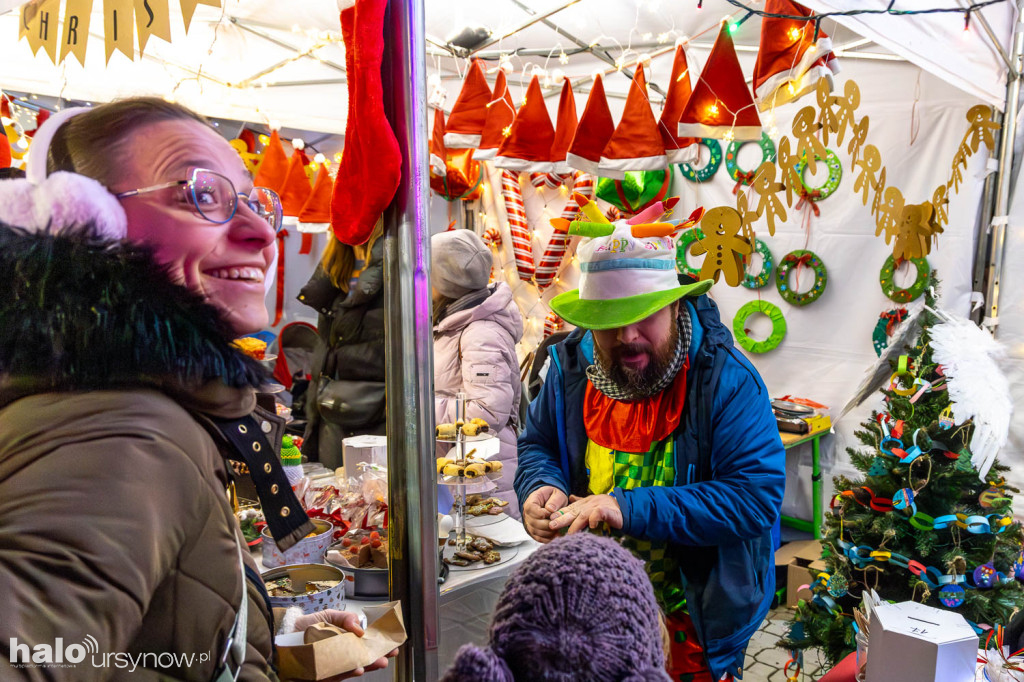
point(791, 440)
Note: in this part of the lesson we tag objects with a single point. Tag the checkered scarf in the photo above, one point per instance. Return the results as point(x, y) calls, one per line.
point(603, 383)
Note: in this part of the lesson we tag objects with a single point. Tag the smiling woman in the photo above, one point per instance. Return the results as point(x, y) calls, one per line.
point(122, 398)
point(177, 180)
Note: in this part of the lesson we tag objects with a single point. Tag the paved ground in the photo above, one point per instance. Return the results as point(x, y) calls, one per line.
point(765, 660)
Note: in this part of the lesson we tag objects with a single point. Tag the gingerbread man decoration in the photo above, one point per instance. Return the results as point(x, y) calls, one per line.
point(876, 203)
point(858, 136)
point(724, 247)
point(867, 178)
point(808, 147)
point(847, 116)
point(890, 213)
point(913, 232)
point(827, 119)
point(982, 125)
point(786, 162)
point(940, 201)
point(747, 217)
point(250, 159)
point(769, 205)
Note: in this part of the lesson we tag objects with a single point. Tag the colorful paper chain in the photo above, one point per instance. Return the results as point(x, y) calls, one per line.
point(889, 288)
point(767, 263)
point(862, 555)
point(904, 500)
point(705, 173)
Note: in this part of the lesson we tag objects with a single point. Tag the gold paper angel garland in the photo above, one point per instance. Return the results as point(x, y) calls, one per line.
point(910, 228)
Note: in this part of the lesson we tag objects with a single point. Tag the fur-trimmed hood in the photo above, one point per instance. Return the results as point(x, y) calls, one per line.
point(80, 312)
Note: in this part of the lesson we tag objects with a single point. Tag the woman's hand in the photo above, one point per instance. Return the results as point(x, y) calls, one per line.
point(348, 622)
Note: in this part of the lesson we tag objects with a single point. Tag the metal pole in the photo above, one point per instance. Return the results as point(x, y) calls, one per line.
point(412, 491)
point(997, 241)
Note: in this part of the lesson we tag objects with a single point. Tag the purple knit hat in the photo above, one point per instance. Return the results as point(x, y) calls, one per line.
point(580, 609)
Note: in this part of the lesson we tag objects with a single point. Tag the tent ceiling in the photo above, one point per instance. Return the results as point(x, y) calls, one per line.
point(253, 61)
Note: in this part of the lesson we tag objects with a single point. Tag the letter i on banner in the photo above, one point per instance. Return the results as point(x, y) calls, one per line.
point(75, 36)
point(152, 18)
point(119, 27)
point(43, 28)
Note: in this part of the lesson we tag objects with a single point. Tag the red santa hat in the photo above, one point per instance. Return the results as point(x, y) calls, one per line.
point(565, 128)
point(438, 152)
point(789, 62)
point(296, 188)
point(528, 146)
point(721, 103)
point(273, 167)
point(466, 122)
point(678, 149)
point(592, 133)
point(636, 144)
point(500, 113)
point(317, 208)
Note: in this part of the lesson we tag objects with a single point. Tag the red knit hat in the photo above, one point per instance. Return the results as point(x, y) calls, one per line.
point(636, 143)
point(565, 128)
point(296, 187)
point(528, 146)
point(317, 208)
point(789, 62)
point(678, 149)
point(500, 114)
point(466, 122)
point(274, 167)
point(721, 102)
point(438, 152)
point(593, 131)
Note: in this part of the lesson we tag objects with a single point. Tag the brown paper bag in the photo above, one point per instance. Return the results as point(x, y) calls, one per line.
point(325, 650)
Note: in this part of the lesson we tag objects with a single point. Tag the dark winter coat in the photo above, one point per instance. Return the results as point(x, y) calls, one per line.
point(346, 394)
point(114, 523)
point(730, 476)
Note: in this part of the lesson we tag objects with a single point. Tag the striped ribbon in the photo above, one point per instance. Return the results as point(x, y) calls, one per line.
point(551, 261)
point(522, 246)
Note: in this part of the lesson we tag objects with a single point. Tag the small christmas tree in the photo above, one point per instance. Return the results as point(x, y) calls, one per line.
point(924, 524)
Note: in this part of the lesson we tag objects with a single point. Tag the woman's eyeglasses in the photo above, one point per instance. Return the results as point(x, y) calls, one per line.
point(213, 197)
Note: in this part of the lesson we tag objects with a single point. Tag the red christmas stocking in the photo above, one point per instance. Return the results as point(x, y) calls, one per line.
point(371, 163)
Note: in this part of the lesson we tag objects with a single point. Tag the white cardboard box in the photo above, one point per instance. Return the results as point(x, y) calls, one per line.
point(911, 642)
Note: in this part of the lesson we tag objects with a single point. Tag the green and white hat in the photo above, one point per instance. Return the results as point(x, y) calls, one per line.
point(623, 278)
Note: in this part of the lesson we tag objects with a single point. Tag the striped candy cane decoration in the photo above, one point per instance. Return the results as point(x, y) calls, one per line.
point(522, 246)
point(552, 323)
point(551, 261)
point(492, 236)
point(549, 180)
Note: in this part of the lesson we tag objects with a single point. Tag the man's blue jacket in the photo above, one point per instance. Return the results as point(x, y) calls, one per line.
point(730, 478)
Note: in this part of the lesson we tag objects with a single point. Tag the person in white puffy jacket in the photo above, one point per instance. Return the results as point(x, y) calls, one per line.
point(476, 328)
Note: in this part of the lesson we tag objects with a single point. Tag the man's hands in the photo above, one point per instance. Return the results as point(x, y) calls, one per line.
point(587, 512)
point(545, 513)
point(537, 510)
point(350, 623)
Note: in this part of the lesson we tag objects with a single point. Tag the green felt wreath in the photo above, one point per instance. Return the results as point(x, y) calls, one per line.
point(907, 295)
point(767, 263)
point(732, 154)
point(704, 174)
point(835, 174)
point(686, 238)
point(788, 264)
point(774, 314)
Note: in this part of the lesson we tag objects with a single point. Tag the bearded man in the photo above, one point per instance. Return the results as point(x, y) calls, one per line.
point(653, 428)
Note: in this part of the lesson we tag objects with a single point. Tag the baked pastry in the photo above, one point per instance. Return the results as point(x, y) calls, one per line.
point(480, 424)
point(446, 431)
point(251, 346)
point(454, 469)
point(442, 462)
point(476, 469)
point(494, 466)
